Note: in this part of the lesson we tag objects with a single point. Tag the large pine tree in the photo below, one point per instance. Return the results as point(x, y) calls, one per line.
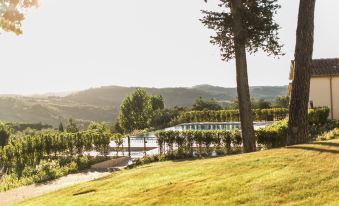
point(244, 26)
point(298, 114)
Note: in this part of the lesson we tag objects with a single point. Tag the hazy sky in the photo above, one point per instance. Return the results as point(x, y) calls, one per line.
point(70, 45)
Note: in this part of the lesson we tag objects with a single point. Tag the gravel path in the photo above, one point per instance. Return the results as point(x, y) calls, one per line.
point(27, 192)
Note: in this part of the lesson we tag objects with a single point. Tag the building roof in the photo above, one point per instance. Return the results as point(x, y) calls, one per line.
point(325, 67)
point(321, 67)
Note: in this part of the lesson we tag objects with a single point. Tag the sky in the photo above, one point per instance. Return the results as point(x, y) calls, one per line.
point(75, 45)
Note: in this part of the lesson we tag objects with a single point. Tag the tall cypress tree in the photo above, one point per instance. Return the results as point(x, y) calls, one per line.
point(244, 26)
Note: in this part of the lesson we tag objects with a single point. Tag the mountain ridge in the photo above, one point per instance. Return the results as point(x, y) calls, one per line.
point(103, 103)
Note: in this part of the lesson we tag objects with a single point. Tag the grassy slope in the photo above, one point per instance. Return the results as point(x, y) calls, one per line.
point(301, 175)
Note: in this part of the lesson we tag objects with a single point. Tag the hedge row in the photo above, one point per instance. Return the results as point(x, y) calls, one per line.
point(270, 137)
point(274, 114)
point(201, 143)
point(30, 150)
point(274, 135)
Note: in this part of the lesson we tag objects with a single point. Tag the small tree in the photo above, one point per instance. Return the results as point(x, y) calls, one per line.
point(61, 127)
point(281, 102)
point(135, 113)
point(244, 25)
point(4, 134)
point(72, 126)
point(201, 104)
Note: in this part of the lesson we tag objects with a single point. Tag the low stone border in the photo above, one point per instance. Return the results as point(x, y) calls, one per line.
point(109, 163)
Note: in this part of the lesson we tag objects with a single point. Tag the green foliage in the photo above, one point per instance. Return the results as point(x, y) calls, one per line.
point(157, 102)
point(140, 111)
point(274, 135)
point(230, 115)
point(135, 112)
point(61, 127)
point(206, 143)
point(164, 118)
point(260, 104)
point(4, 134)
point(72, 126)
point(29, 151)
point(201, 104)
point(48, 169)
point(281, 102)
point(119, 141)
point(333, 134)
point(318, 116)
point(20, 127)
point(260, 29)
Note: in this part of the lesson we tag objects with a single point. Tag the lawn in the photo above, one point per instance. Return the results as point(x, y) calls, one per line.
point(301, 175)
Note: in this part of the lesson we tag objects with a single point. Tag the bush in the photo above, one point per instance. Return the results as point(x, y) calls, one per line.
point(333, 134)
point(47, 170)
point(274, 135)
point(273, 114)
point(318, 116)
point(207, 142)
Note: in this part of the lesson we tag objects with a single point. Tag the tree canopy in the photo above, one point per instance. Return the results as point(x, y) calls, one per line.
point(139, 110)
point(260, 29)
point(201, 104)
point(12, 14)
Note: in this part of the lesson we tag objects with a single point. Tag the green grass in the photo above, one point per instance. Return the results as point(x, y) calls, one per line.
point(301, 175)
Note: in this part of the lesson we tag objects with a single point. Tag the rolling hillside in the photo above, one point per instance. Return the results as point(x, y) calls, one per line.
point(102, 104)
point(299, 175)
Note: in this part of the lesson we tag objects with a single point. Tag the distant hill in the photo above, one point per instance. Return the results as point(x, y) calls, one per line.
point(102, 104)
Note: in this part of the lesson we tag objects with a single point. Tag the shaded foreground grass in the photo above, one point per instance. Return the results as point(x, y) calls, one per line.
point(301, 175)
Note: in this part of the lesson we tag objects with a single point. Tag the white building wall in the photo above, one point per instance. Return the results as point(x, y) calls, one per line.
point(320, 91)
point(335, 91)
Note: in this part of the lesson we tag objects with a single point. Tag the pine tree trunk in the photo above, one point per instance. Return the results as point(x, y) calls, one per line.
point(298, 113)
point(242, 79)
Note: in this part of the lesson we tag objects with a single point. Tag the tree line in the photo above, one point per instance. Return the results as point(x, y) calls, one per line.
point(29, 150)
point(274, 114)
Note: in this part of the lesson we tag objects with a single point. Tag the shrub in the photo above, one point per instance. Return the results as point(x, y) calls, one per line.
point(318, 116)
point(47, 170)
point(333, 134)
point(274, 135)
point(273, 114)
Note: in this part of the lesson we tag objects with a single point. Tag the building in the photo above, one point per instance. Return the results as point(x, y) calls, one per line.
point(324, 90)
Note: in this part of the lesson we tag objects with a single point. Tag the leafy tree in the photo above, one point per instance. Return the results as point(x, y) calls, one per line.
point(157, 103)
point(281, 102)
point(298, 116)
point(12, 14)
point(167, 117)
point(136, 113)
point(61, 127)
point(261, 104)
point(4, 134)
point(201, 104)
point(244, 25)
point(72, 126)
point(117, 128)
